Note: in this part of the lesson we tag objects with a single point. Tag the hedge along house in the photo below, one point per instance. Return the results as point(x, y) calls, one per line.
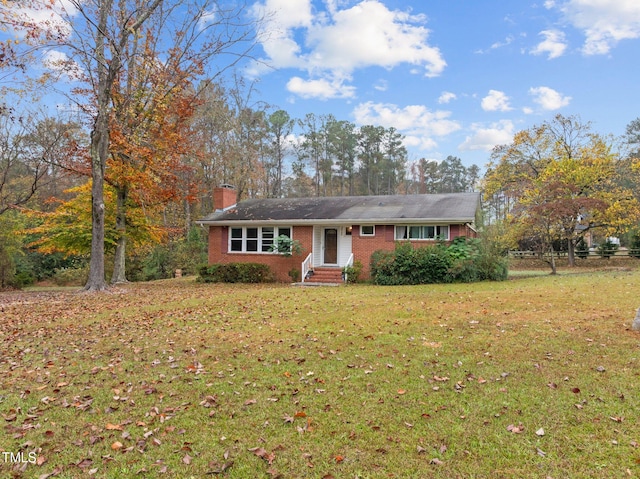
point(333, 231)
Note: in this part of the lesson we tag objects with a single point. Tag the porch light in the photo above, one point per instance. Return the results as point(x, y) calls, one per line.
point(349, 230)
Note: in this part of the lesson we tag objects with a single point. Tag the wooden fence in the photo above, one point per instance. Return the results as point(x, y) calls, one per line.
point(622, 252)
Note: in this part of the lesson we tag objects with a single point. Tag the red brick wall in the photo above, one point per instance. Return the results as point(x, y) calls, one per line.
point(280, 265)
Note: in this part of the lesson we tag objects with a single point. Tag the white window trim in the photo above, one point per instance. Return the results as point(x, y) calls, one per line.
point(276, 233)
point(436, 238)
point(366, 234)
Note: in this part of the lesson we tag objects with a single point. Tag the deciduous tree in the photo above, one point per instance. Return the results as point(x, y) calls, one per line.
point(560, 180)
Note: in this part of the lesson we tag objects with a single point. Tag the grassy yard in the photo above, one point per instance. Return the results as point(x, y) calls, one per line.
point(534, 377)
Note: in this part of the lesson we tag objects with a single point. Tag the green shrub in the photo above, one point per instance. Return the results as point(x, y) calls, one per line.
point(607, 249)
point(465, 260)
point(582, 249)
point(236, 273)
point(463, 271)
point(352, 273)
point(491, 267)
point(409, 265)
point(382, 267)
point(294, 274)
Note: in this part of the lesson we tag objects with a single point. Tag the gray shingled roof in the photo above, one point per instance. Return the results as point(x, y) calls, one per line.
point(393, 209)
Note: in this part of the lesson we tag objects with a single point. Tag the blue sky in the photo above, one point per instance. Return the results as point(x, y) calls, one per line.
point(455, 77)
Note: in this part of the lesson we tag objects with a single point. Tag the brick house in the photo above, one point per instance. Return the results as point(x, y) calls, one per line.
point(333, 231)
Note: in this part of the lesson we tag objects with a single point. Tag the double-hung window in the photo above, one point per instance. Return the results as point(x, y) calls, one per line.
point(250, 239)
point(422, 232)
point(367, 230)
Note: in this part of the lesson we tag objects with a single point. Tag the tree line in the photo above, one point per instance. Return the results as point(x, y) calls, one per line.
point(158, 122)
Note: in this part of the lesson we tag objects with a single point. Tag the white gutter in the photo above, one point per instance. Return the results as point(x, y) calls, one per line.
point(355, 221)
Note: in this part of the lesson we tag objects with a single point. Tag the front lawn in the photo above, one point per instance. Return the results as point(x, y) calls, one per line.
point(534, 377)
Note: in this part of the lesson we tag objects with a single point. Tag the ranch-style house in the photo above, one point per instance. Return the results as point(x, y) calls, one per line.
point(333, 231)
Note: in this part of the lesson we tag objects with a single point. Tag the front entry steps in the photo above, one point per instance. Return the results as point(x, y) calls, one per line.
point(324, 276)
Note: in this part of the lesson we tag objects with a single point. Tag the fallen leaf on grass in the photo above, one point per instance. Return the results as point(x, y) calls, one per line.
point(217, 469)
point(515, 429)
point(540, 432)
point(85, 463)
point(436, 461)
point(287, 419)
point(113, 427)
point(187, 459)
point(55, 472)
point(263, 454)
point(116, 446)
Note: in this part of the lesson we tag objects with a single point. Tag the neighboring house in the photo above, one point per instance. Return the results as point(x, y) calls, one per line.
point(333, 231)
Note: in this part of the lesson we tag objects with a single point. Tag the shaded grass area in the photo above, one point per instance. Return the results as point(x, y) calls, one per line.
point(535, 377)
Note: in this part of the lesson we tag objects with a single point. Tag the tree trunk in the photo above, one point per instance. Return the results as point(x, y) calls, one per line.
point(552, 262)
point(571, 252)
point(99, 154)
point(119, 266)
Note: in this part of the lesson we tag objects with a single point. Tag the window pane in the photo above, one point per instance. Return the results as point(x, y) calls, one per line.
point(414, 232)
point(401, 232)
point(266, 245)
point(429, 232)
point(252, 245)
point(367, 230)
point(267, 232)
point(236, 232)
point(252, 232)
point(284, 231)
point(236, 245)
point(443, 232)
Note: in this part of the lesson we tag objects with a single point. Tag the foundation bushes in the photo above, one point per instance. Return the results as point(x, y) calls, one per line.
point(463, 261)
point(236, 273)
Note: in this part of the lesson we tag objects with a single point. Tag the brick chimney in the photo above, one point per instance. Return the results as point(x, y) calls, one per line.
point(224, 197)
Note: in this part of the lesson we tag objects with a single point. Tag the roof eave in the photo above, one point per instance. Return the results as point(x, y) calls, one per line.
point(339, 221)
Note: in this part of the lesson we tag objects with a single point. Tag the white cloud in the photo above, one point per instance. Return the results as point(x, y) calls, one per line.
point(507, 41)
point(495, 101)
point(51, 18)
point(417, 122)
point(554, 44)
point(381, 85)
point(604, 22)
point(322, 89)
point(548, 98)
point(486, 138)
point(340, 40)
point(446, 97)
point(369, 34)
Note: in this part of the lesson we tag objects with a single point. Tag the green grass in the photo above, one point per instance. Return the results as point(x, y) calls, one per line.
point(426, 381)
